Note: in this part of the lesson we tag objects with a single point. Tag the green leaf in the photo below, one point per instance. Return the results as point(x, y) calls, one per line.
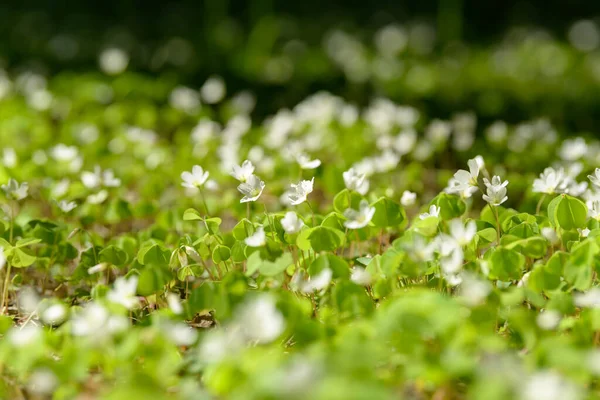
point(113, 255)
point(346, 199)
point(243, 229)
point(192, 215)
point(570, 213)
point(27, 242)
point(221, 254)
point(451, 206)
point(322, 238)
point(506, 264)
point(21, 257)
point(387, 213)
point(153, 253)
point(153, 279)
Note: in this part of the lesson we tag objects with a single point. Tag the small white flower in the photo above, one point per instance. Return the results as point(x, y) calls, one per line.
point(467, 179)
point(260, 320)
point(213, 90)
point(589, 299)
point(356, 181)
point(97, 268)
point(97, 178)
point(258, 239)
point(54, 314)
point(573, 149)
point(251, 189)
point(24, 335)
point(113, 61)
point(357, 219)
point(434, 211)
point(408, 198)
point(42, 382)
point(124, 292)
point(550, 181)
point(583, 232)
point(174, 303)
point(461, 233)
point(15, 191)
point(299, 192)
point(97, 198)
point(181, 334)
point(595, 179)
point(360, 276)
point(291, 223)
point(64, 153)
point(549, 385)
point(194, 179)
point(306, 163)
point(318, 282)
point(496, 191)
point(594, 210)
point(243, 172)
point(67, 206)
point(548, 319)
point(9, 157)
point(550, 235)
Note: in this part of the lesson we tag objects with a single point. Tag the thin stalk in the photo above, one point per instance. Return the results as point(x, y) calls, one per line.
point(539, 204)
point(497, 223)
point(313, 213)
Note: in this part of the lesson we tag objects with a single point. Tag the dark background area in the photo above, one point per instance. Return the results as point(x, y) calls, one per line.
point(220, 34)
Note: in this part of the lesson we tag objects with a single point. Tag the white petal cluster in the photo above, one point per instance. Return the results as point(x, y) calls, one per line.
point(496, 191)
point(357, 219)
point(298, 192)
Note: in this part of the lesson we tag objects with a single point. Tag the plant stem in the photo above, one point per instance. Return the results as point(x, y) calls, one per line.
point(5, 290)
point(539, 204)
point(204, 202)
point(497, 223)
point(313, 213)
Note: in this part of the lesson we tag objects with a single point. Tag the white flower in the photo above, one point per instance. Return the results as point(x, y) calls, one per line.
point(42, 382)
point(573, 149)
point(243, 172)
point(194, 179)
point(174, 302)
point(583, 232)
point(355, 181)
point(66, 206)
point(25, 335)
point(9, 157)
point(589, 299)
point(54, 314)
point(357, 219)
point(548, 319)
point(318, 282)
point(15, 191)
point(360, 276)
point(550, 181)
point(2, 258)
point(124, 292)
point(260, 320)
point(594, 210)
point(461, 233)
point(306, 163)
point(181, 334)
point(496, 191)
point(467, 179)
point(60, 188)
point(550, 235)
point(258, 239)
point(549, 385)
point(291, 223)
point(92, 180)
point(113, 61)
point(473, 291)
point(434, 211)
point(595, 179)
point(298, 192)
point(451, 255)
point(90, 321)
point(62, 152)
point(97, 198)
point(213, 90)
point(408, 198)
point(251, 189)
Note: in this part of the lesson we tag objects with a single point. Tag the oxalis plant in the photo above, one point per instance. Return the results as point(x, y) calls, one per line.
point(241, 259)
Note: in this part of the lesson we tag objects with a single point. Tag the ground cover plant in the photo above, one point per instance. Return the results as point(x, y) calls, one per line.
point(168, 242)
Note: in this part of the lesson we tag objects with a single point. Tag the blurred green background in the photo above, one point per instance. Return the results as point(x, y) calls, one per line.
point(510, 60)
